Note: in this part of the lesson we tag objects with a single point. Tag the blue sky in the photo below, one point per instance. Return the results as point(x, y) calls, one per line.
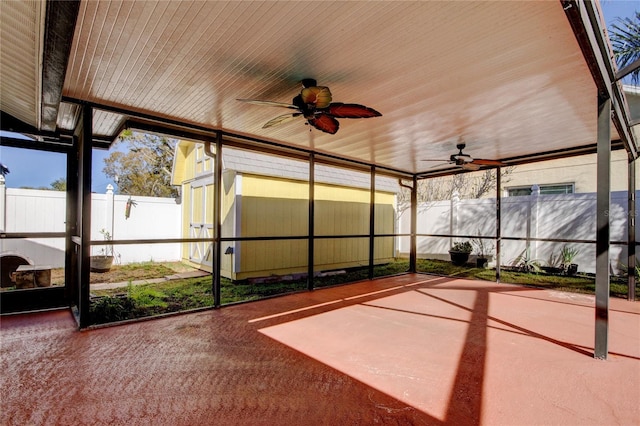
point(39, 169)
point(30, 168)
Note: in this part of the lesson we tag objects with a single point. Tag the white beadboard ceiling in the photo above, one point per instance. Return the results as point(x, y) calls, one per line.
point(21, 25)
point(507, 78)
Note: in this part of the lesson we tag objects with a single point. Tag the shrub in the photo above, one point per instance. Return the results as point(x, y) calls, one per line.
point(463, 247)
point(111, 309)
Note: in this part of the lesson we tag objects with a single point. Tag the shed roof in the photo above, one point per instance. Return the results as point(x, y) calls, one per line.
point(256, 163)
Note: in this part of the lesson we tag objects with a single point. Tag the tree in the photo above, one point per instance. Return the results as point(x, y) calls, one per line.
point(625, 40)
point(59, 184)
point(145, 168)
point(468, 185)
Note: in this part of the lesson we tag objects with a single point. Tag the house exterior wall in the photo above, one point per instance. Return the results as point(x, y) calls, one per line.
point(581, 171)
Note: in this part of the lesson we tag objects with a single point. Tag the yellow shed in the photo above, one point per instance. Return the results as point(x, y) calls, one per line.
point(266, 196)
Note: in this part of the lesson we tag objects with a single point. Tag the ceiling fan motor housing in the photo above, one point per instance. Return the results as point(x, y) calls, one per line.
point(461, 159)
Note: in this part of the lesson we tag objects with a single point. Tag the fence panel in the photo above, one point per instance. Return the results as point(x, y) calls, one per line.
point(29, 210)
point(566, 216)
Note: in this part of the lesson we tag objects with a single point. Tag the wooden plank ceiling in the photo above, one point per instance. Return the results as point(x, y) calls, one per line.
point(507, 78)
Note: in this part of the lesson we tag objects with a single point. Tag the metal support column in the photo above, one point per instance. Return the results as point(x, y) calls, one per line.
point(413, 250)
point(372, 220)
point(85, 137)
point(498, 220)
point(602, 230)
point(631, 228)
point(310, 248)
point(217, 220)
point(71, 277)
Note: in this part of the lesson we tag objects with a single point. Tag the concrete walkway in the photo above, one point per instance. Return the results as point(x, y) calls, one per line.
point(178, 276)
point(407, 350)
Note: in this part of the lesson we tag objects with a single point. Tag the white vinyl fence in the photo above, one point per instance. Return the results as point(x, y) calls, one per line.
point(566, 216)
point(30, 210)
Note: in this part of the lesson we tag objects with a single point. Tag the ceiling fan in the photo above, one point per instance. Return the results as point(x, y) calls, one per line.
point(314, 104)
point(466, 161)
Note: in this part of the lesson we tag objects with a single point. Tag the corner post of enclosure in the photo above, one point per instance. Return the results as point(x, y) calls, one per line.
point(631, 228)
point(603, 201)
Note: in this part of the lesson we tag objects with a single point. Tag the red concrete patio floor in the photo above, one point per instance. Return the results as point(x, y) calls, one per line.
point(404, 350)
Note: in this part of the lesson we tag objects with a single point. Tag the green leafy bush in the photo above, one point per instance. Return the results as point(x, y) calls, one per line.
point(462, 247)
point(111, 309)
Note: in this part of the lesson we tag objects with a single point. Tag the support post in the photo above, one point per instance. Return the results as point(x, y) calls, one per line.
point(71, 275)
point(310, 248)
point(217, 220)
point(413, 250)
point(602, 230)
point(631, 228)
point(498, 220)
point(84, 178)
point(372, 221)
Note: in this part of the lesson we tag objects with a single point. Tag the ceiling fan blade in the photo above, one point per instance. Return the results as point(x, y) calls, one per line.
point(447, 163)
point(440, 160)
point(341, 110)
point(285, 118)
point(325, 123)
point(268, 103)
point(483, 162)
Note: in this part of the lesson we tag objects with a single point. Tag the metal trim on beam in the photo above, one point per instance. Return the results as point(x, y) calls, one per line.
point(61, 17)
point(584, 21)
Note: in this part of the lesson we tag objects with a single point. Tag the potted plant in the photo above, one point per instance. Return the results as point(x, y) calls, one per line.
point(460, 253)
point(553, 264)
point(568, 254)
point(103, 261)
point(484, 251)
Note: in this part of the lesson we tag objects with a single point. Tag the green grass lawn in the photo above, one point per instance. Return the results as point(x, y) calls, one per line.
point(135, 301)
